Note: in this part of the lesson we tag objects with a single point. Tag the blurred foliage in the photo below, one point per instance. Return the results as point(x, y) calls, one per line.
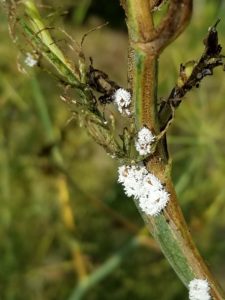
point(59, 225)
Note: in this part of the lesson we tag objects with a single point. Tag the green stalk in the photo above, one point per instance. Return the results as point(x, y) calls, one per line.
point(42, 109)
point(62, 68)
point(107, 268)
point(81, 11)
point(41, 30)
point(39, 34)
point(4, 169)
point(169, 228)
point(45, 119)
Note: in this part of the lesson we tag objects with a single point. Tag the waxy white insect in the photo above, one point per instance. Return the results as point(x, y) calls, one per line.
point(143, 143)
point(145, 187)
point(199, 290)
point(122, 98)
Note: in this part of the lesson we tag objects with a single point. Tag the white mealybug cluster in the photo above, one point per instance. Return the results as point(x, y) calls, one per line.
point(145, 187)
point(131, 178)
point(122, 99)
point(30, 60)
point(199, 290)
point(144, 140)
point(153, 197)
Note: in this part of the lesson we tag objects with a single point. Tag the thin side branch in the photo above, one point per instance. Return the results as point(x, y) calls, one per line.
point(176, 20)
point(156, 4)
point(192, 73)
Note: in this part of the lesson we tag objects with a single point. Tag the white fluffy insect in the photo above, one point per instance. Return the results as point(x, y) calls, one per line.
point(122, 98)
point(199, 290)
point(131, 178)
point(145, 187)
point(30, 60)
point(153, 196)
point(144, 141)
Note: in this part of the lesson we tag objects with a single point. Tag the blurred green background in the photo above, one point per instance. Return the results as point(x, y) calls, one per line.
point(71, 233)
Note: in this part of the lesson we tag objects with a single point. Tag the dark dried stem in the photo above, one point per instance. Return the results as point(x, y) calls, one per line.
point(191, 75)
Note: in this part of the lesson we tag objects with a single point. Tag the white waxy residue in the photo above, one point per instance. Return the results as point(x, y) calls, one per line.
point(145, 187)
point(199, 290)
point(144, 141)
point(122, 99)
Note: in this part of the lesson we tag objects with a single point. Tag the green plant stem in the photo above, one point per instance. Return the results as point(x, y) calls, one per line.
point(107, 268)
point(62, 68)
point(5, 188)
point(169, 228)
point(42, 109)
point(81, 11)
point(45, 119)
point(41, 29)
point(39, 34)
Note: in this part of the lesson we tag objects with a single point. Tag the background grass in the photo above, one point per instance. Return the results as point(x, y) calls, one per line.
point(58, 226)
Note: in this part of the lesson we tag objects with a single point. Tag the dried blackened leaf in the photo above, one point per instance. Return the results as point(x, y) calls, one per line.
point(212, 46)
point(192, 73)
